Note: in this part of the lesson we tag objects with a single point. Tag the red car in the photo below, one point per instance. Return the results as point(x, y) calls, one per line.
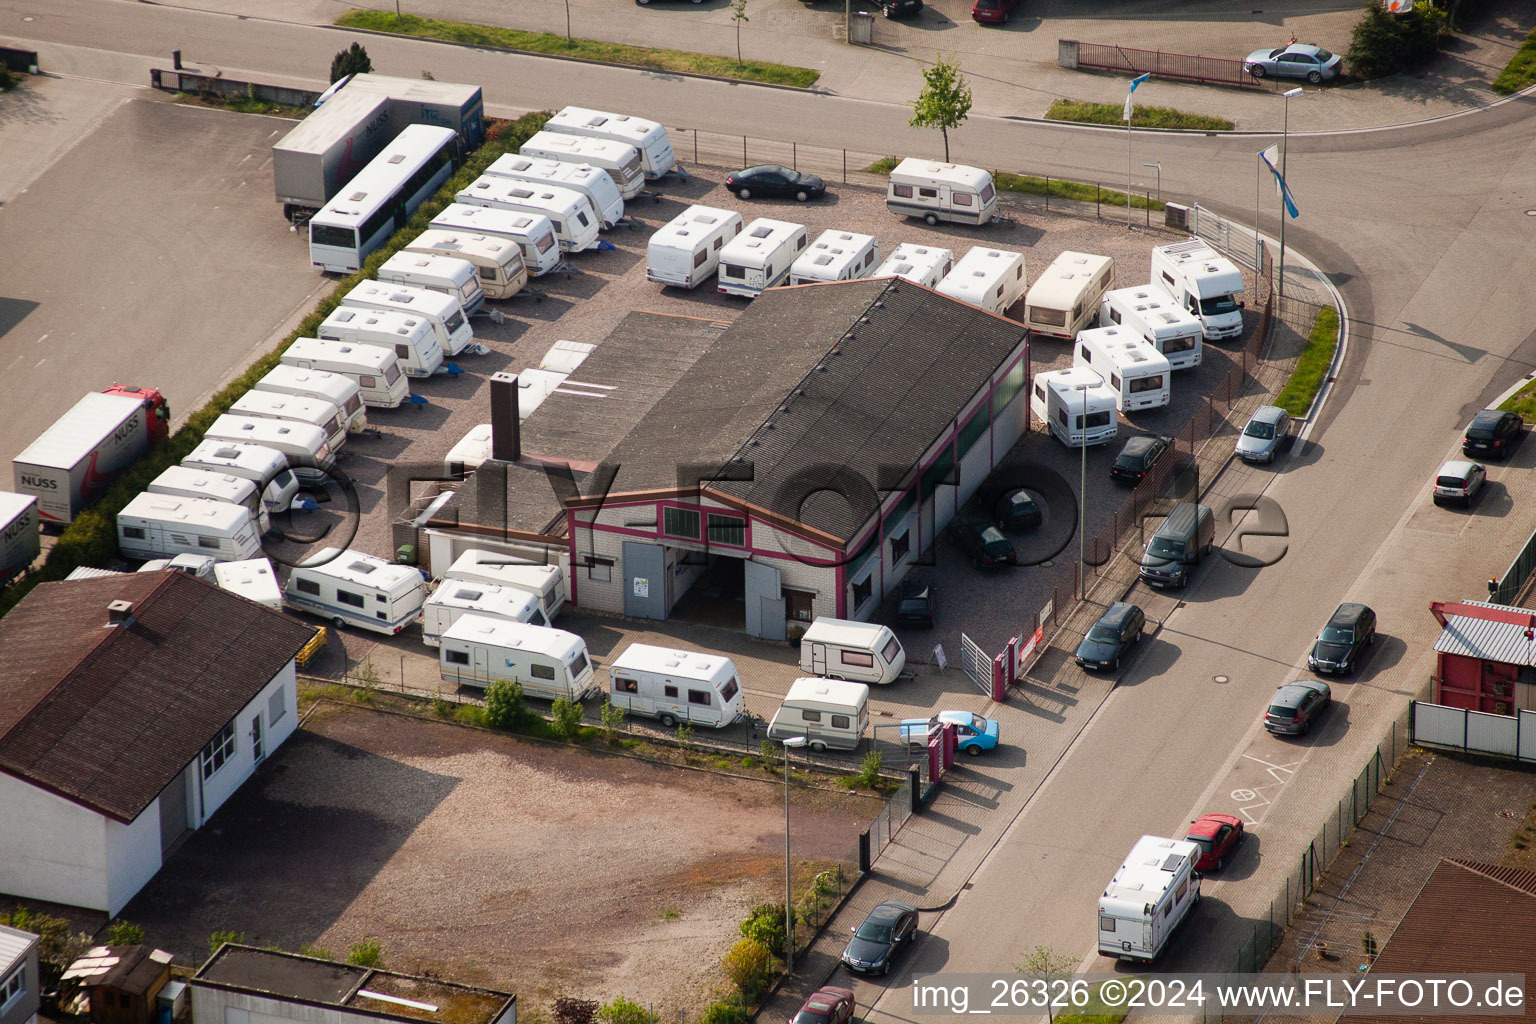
point(827, 1005)
point(993, 12)
point(1218, 836)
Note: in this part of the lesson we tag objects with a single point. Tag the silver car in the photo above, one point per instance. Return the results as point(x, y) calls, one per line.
point(1298, 60)
point(1268, 428)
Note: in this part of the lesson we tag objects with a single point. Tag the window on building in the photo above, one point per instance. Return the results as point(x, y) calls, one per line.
point(218, 751)
point(542, 671)
point(798, 605)
point(862, 591)
point(729, 530)
point(901, 546)
point(680, 522)
point(13, 988)
point(623, 685)
point(974, 429)
point(600, 569)
point(700, 697)
point(277, 707)
point(1011, 384)
point(348, 598)
point(938, 474)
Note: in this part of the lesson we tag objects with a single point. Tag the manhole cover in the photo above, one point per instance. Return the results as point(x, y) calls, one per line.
point(1219, 679)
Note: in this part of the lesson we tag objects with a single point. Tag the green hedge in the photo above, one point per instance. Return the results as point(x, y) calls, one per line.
point(1312, 365)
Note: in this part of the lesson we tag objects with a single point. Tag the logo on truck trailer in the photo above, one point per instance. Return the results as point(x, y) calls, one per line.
point(127, 430)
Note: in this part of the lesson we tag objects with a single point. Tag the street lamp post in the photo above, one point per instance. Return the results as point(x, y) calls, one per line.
point(1285, 131)
point(1159, 167)
point(1082, 489)
point(789, 920)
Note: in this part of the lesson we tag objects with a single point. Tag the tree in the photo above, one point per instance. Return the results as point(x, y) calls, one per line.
point(944, 102)
point(1383, 44)
point(351, 61)
point(739, 15)
point(1048, 964)
point(624, 1011)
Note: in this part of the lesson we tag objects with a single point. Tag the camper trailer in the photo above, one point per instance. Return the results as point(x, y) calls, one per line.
point(760, 256)
point(1149, 896)
point(411, 338)
point(619, 159)
point(436, 272)
point(533, 232)
point(676, 686)
point(835, 256)
point(865, 652)
point(252, 579)
point(937, 191)
point(201, 566)
point(827, 712)
point(1065, 299)
point(1135, 371)
point(926, 265)
point(454, 599)
point(477, 651)
point(990, 278)
point(442, 312)
point(477, 565)
point(571, 214)
point(302, 445)
point(685, 251)
point(650, 138)
point(266, 468)
point(20, 539)
point(593, 182)
point(322, 386)
point(351, 588)
point(498, 261)
point(372, 368)
point(160, 526)
point(316, 412)
point(211, 485)
point(1077, 405)
point(1205, 284)
point(1150, 312)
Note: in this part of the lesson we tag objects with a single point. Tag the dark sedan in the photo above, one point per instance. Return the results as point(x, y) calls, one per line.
point(901, 8)
point(1016, 510)
point(1108, 640)
point(1138, 457)
point(982, 542)
point(918, 603)
point(1492, 434)
point(774, 182)
point(1350, 630)
point(889, 927)
point(830, 1004)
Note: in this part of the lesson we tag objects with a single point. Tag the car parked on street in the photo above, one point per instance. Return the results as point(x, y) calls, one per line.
point(1295, 706)
point(1109, 639)
point(1350, 630)
point(1268, 429)
point(1459, 481)
point(973, 733)
point(1016, 510)
point(1298, 60)
point(774, 181)
point(888, 929)
point(830, 1004)
point(1218, 836)
point(993, 12)
point(917, 604)
point(1138, 457)
point(901, 8)
point(983, 543)
point(1492, 434)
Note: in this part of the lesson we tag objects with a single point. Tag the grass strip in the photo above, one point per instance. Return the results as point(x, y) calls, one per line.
point(242, 105)
point(1061, 188)
point(587, 49)
point(1141, 117)
point(1524, 403)
point(1520, 72)
point(1312, 366)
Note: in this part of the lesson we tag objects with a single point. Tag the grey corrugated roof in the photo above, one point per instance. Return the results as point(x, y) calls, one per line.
point(14, 944)
point(1481, 638)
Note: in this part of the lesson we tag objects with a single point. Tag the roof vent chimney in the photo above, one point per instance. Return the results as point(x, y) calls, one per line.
point(120, 613)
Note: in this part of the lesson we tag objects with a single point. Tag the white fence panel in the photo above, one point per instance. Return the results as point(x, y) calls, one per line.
point(1491, 734)
point(1439, 725)
point(1527, 730)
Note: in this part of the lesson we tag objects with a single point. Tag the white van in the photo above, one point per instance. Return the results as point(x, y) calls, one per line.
point(760, 256)
point(481, 566)
point(1205, 284)
point(160, 526)
point(1149, 311)
point(1077, 405)
point(865, 652)
point(1149, 896)
point(265, 467)
point(685, 251)
point(650, 138)
point(571, 214)
point(442, 312)
point(827, 712)
point(436, 272)
point(676, 686)
point(926, 265)
point(549, 663)
point(499, 261)
point(533, 232)
point(1065, 298)
point(1135, 371)
point(252, 579)
point(211, 485)
point(304, 446)
point(356, 589)
point(322, 386)
point(317, 412)
point(938, 191)
point(619, 159)
point(990, 278)
point(592, 182)
point(410, 337)
point(835, 256)
point(372, 368)
point(457, 598)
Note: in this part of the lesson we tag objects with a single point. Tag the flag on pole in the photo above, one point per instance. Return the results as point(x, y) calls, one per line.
point(1269, 156)
point(1134, 83)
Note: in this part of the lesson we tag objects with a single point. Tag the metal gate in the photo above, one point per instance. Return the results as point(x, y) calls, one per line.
point(645, 580)
point(764, 601)
point(976, 663)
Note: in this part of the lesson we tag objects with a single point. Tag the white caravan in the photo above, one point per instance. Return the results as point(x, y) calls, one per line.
point(1065, 298)
point(212, 485)
point(1204, 283)
point(650, 138)
point(356, 589)
point(1135, 371)
point(865, 652)
point(990, 278)
point(533, 232)
point(571, 214)
point(410, 337)
point(676, 686)
point(619, 159)
point(265, 467)
point(760, 256)
point(593, 182)
point(685, 251)
point(322, 386)
point(201, 566)
point(1151, 894)
point(549, 663)
point(160, 526)
point(1150, 312)
point(372, 368)
point(457, 598)
point(835, 256)
point(304, 446)
point(436, 272)
point(20, 540)
point(498, 261)
point(316, 412)
point(1077, 405)
point(827, 712)
point(478, 565)
point(938, 191)
point(252, 579)
point(926, 265)
point(442, 312)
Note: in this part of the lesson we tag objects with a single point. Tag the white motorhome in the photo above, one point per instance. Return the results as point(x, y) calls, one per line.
point(356, 589)
point(212, 485)
point(533, 232)
point(760, 256)
point(316, 412)
point(373, 368)
point(457, 598)
point(252, 579)
point(436, 272)
point(322, 386)
point(1135, 371)
point(938, 191)
point(498, 260)
point(412, 338)
point(547, 582)
point(1149, 311)
point(593, 182)
point(160, 526)
point(1204, 283)
point(676, 686)
point(835, 256)
point(926, 265)
point(442, 312)
point(990, 278)
point(549, 663)
point(20, 540)
point(265, 467)
point(1065, 299)
point(650, 138)
point(1077, 405)
point(827, 712)
point(619, 159)
point(865, 652)
point(304, 446)
point(685, 251)
point(1149, 896)
point(571, 214)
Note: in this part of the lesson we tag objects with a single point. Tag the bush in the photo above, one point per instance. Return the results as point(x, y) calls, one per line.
point(367, 953)
point(750, 966)
point(566, 722)
point(57, 946)
point(469, 714)
point(7, 79)
point(613, 718)
point(351, 61)
point(318, 952)
point(504, 706)
point(868, 774)
point(1384, 44)
point(725, 1011)
point(765, 926)
point(570, 1010)
point(218, 939)
point(121, 933)
point(624, 1011)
